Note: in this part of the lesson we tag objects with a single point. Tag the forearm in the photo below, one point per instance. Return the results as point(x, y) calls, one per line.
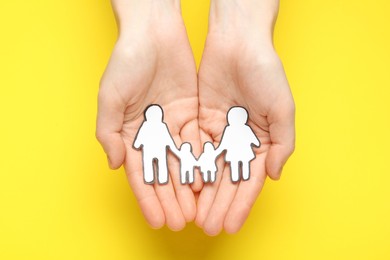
point(256, 17)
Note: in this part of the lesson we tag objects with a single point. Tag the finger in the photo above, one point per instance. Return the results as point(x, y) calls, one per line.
point(227, 190)
point(173, 215)
point(190, 133)
point(246, 196)
point(145, 194)
point(207, 195)
point(184, 195)
point(282, 134)
point(108, 126)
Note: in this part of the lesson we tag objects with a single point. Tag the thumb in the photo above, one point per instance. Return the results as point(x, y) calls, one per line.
point(282, 134)
point(109, 125)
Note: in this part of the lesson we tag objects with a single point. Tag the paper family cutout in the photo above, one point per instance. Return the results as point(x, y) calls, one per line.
point(154, 139)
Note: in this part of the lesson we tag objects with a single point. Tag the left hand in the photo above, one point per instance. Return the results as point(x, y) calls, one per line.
point(240, 67)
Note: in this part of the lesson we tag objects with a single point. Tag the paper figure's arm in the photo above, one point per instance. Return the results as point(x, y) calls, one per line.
point(171, 144)
point(255, 141)
point(174, 150)
point(139, 138)
point(196, 164)
point(195, 161)
point(222, 145)
point(199, 161)
point(219, 150)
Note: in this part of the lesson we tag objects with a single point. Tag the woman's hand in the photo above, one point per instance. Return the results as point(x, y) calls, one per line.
point(240, 67)
point(151, 63)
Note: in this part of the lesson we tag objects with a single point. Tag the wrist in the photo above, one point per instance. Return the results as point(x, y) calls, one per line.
point(244, 18)
point(139, 15)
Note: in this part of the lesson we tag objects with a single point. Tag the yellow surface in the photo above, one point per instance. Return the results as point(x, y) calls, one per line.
point(58, 200)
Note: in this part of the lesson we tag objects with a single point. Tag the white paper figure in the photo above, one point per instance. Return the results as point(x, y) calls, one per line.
point(237, 140)
point(207, 163)
point(155, 139)
point(188, 163)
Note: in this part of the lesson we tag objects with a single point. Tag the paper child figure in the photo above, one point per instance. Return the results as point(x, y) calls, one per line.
point(188, 163)
point(207, 164)
point(238, 139)
point(155, 139)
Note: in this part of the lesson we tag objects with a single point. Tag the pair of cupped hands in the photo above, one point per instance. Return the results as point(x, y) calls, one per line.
point(152, 63)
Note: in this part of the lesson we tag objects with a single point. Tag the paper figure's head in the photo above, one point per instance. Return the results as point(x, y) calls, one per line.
point(237, 116)
point(208, 147)
point(186, 147)
point(154, 113)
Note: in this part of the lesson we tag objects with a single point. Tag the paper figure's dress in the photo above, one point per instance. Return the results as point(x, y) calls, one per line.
point(237, 141)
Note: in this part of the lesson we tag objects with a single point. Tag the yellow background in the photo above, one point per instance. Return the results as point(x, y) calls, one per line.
point(58, 200)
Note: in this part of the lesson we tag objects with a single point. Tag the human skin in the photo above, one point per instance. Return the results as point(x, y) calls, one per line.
point(151, 63)
point(240, 67)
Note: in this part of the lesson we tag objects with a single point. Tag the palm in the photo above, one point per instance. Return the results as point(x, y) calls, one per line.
point(236, 74)
point(156, 69)
point(166, 77)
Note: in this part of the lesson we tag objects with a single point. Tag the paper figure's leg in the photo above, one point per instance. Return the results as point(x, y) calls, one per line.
point(234, 171)
point(205, 176)
point(245, 171)
point(183, 176)
point(213, 176)
point(148, 169)
point(162, 170)
point(191, 175)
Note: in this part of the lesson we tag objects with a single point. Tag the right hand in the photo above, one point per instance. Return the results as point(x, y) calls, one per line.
point(151, 63)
